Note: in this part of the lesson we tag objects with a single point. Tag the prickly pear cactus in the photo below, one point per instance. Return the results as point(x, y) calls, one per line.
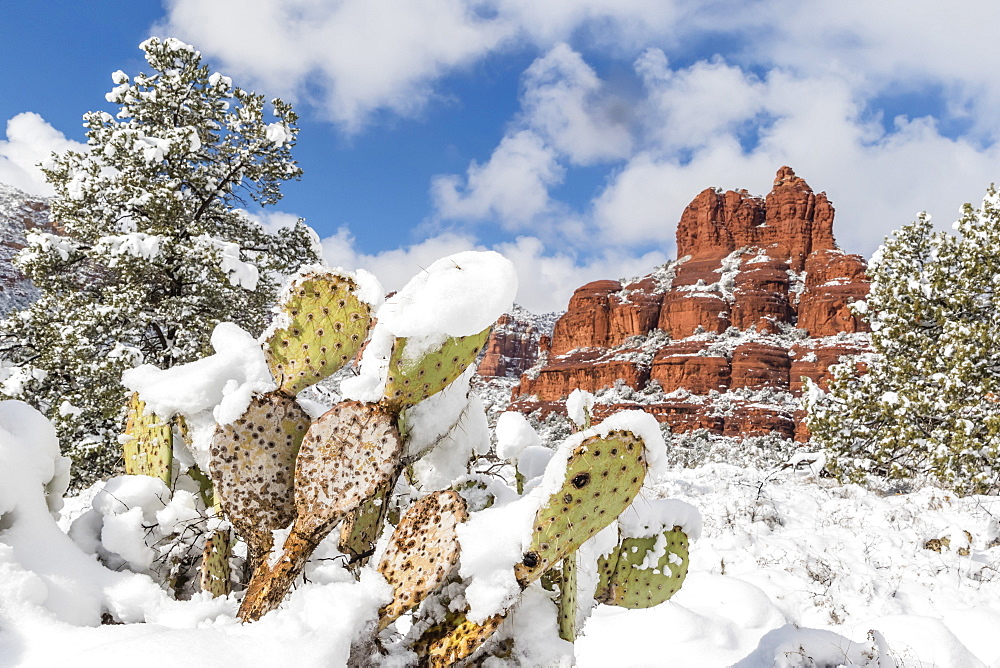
point(326, 325)
point(603, 476)
point(422, 552)
point(347, 454)
point(252, 467)
point(148, 442)
point(643, 572)
point(413, 379)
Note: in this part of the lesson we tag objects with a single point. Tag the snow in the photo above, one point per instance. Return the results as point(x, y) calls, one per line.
point(514, 433)
point(213, 390)
point(579, 407)
point(788, 566)
point(223, 382)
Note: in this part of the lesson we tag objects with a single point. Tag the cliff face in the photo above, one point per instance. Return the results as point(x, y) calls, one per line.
point(20, 213)
point(722, 338)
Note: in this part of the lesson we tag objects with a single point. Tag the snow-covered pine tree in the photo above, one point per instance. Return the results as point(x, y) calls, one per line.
point(154, 252)
point(929, 404)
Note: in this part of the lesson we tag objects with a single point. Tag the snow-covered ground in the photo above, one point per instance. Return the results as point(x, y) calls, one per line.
point(790, 570)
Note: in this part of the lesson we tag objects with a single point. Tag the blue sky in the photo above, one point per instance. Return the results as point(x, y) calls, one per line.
point(568, 134)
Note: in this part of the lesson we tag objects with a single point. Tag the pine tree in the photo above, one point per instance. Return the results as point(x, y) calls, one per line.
point(928, 406)
point(154, 251)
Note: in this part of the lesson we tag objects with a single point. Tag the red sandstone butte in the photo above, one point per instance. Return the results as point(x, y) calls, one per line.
point(757, 301)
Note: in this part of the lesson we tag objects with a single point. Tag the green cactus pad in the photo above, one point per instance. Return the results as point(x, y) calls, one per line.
point(422, 552)
point(643, 572)
point(149, 442)
point(327, 324)
point(215, 570)
point(362, 527)
point(568, 599)
point(411, 381)
point(252, 467)
point(603, 476)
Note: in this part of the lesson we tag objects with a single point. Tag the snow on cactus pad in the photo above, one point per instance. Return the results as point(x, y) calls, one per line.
point(603, 475)
point(321, 325)
point(253, 461)
point(422, 552)
point(147, 442)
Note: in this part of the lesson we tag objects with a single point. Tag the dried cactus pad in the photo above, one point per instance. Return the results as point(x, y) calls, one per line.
point(413, 379)
point(149, 442)
point(454, 639)
point(422, 552)
point(643, 572)
point(326, 325)
point(603, 476)
point(347, 454)
point(253, 463)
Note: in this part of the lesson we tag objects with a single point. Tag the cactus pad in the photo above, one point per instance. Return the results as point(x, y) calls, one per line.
point(362, 527)
point(327, 324)
point(454, 639)
point(215, 563)
point(568, 599)
point(252, 467)
point(422, 552)
point(148, 444)
point(643, 572)
point(410, 381)
point(603, 476)
point(347, 454)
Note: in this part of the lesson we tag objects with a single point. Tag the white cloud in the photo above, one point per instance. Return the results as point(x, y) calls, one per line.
point(394, 267)
point(30, 141)
point(513, 186)
point(612, 24)
point(356, 56)
point(564, 102)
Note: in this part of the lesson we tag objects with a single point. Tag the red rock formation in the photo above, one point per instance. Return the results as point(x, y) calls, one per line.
point(759, 365)
point(511, 350)
point(754, 273)
point(20, 213)
point(813, 358)
point(684, 365)
point(585, 323)
point(791, 222)
point(633, 312)
point(685, 312)
point(834, 280)
point(582, 369)
point(761, 296)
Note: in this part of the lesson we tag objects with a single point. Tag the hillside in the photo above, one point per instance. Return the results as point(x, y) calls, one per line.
point(20, 213)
